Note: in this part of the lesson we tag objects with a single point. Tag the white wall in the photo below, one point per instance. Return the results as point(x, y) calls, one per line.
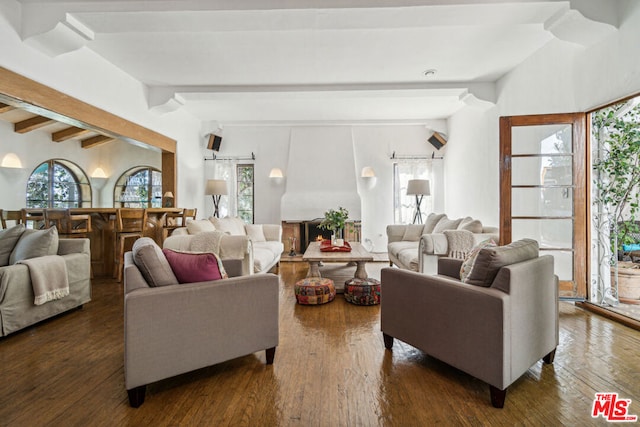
point(83, 75)
point(372, 146)
point(561, 77)
point(36, 147)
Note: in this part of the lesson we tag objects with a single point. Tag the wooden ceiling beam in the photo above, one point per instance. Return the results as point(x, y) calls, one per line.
point(68, 133)
point(4, 108)
point(33, 123)
point(94, 141)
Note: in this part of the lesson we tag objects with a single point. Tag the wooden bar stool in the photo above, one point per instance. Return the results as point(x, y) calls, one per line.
point(130, 225)
point(69, 225)
point(7, 215)
point(175, 220)
point(33, 217)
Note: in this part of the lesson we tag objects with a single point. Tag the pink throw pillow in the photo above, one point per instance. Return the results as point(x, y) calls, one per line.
point(195, 267)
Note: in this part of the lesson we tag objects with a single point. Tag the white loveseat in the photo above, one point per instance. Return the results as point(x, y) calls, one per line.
point(244, 248)
point(417, 247)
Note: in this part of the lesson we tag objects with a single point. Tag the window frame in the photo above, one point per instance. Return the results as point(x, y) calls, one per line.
point(80, 181)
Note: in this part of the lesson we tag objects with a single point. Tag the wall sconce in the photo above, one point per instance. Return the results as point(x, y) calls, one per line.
point(11, 161)
point(98, 178)
point(98, 173)
point(168, 199)
point(216, 188)
point(276, 175)
point(368, 176)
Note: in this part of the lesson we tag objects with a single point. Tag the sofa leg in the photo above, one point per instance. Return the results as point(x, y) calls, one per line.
point(390, 263)
point(136, 396)
point(270, 353)
point(549, 357)
point(497, 396)
point(388, 341)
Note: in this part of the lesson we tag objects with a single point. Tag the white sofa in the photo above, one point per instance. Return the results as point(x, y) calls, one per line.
point(244, 248)
point(417, 247)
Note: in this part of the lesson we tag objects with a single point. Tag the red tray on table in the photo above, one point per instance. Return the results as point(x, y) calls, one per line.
point(326, 246)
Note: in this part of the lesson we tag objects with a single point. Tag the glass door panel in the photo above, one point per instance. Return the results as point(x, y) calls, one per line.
point(543, 191)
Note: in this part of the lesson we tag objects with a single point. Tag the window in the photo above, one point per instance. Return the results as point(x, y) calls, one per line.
point(404, 205)
point(139, 187)
point(244, 192)
point(58, 183)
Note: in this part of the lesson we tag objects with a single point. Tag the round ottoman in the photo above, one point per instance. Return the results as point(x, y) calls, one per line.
point(314, 291)
point(362, 291)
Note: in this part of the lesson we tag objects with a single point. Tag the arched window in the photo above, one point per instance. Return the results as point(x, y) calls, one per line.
point(139, 187)
point(58, 183)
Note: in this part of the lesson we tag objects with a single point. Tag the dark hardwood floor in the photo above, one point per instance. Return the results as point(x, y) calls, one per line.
point(331, 369)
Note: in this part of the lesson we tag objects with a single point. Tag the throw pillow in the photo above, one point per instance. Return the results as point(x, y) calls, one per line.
point(233, 226)
point(255, 232)
point(412, 232)
point(35, 243)
point(199, 226)
point(152, 263)
point(490, 260)
point(470, 224)
point(8, 240)
point(446, 224)
point(191, 267)
point(470, 259)
point(431, 222)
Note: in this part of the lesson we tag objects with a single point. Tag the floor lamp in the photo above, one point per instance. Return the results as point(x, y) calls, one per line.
point(418, 188)
point(216, 188)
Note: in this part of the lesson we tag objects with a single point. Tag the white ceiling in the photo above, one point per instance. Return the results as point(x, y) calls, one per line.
point(302, 61)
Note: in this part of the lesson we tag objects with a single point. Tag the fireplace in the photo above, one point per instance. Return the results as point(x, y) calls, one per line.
point(309, 231)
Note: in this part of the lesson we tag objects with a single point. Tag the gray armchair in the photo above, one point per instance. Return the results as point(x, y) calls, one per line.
point(173, 329)
point(494, 330)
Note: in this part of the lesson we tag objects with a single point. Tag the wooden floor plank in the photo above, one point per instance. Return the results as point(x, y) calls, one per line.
point(330, 368)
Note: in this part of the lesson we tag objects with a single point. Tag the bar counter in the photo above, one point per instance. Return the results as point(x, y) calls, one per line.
point(103, 234)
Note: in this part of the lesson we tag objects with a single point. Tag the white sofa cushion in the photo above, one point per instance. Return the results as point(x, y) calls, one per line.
point(255, 232)
point(234, 226)
point(200, 226)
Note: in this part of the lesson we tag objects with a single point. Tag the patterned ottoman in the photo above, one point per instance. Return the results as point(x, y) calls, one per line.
point(362, 291)
point(314, 290)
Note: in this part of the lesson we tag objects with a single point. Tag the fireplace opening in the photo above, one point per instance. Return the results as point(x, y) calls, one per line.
point(310, 231)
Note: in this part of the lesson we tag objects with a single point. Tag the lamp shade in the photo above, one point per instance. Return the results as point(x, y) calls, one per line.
point(168, 194)
point(216, 187)
point(418, 187)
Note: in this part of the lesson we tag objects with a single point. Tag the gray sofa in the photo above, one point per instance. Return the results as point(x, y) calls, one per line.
point(17, 308)
point(417, 247)
point(494, 325)
point(177, 328)
point(244, 248)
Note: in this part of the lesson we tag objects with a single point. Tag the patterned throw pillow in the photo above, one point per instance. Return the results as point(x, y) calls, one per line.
point(470, 259)
point(192, 267)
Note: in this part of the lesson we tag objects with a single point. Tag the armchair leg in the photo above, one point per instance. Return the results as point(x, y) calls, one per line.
point(390, 263)
point(270, 353)
point(549, 357)
point(388, 341)
point(497, 396)
point(136, 396)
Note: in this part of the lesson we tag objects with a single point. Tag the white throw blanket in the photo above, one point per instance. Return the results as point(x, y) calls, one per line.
point(459, 242)
point(49, 278)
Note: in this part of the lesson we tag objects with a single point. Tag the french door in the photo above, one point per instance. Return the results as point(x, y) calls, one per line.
point(543, 191)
